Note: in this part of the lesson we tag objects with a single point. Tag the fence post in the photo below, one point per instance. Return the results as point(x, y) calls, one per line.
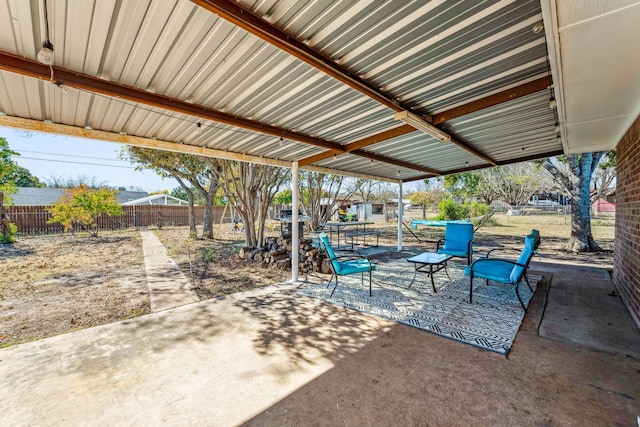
point(159, 218)
point(136, 220)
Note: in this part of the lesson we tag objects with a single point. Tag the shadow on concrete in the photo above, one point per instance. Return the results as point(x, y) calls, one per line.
point(299, 324)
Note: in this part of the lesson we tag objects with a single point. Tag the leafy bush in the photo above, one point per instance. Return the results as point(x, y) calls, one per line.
point(450, 210)
point(82, 206)
point(479, 209)
point(11, 236)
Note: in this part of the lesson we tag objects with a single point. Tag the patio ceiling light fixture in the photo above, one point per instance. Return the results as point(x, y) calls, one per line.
point(538, 27)
point(421, 124)
point(46, 53)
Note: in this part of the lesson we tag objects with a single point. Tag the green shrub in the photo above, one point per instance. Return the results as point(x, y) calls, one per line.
point(450, 210)
point(208, 255)
point(11, 236)
point(479, 209)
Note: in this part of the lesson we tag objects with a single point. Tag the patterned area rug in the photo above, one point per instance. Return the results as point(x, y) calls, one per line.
point(491, 322)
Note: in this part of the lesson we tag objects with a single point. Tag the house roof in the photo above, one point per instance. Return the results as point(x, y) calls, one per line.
point(320, 83)
point(30, 196)
point(156, 199)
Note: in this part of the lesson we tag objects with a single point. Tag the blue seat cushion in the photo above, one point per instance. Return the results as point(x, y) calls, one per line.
point(492, 269)
point(455, 252)
point(355, 266)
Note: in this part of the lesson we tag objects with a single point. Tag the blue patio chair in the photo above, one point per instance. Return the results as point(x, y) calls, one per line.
point(505, 270)
point(345, 265)
point(458, 241)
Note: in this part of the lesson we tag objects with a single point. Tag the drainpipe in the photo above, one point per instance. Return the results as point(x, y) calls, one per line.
point(295, 238)
point(400, 212)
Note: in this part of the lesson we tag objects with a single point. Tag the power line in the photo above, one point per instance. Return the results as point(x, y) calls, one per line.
point(69, 155)
point(78, 163)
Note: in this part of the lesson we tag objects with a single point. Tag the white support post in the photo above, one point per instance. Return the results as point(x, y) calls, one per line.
point(295, 238)
point(400, 213)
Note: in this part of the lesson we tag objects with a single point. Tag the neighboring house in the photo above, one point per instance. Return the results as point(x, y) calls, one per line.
point(157, 199)
point(30, 196)
point(602, 207)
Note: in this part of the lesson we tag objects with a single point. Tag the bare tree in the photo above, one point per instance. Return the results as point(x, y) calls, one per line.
point(513, 184)
point(319, 195)
point(200, 172)
point(251, 188)
point(56, 181)
point(604, 176)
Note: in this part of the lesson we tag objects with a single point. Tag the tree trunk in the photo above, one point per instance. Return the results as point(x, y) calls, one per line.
point(207, 223)
point(193, 231)
point(581, 239)
point(576, 180)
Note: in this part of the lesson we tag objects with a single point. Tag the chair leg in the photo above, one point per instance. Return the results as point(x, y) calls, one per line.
point(334, 288)
point(470, 289)
point(520, 299)
point(527, 280)
point(331, 279)
point(370, 283)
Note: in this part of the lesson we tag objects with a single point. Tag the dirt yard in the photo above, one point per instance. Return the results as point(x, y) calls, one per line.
point(51, 285)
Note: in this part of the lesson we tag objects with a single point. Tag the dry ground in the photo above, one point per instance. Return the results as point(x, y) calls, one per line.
point(51, 285)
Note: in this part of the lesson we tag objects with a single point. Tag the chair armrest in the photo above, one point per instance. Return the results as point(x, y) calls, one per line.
point(509, 261)
point(440, 241)
point(502, 249)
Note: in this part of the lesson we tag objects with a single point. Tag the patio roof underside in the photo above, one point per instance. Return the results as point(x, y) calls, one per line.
point(316, 82)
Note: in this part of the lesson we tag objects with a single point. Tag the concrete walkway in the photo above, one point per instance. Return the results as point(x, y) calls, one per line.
point(168, 286)
point(270, 357)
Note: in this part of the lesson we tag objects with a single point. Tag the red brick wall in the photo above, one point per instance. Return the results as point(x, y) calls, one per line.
point(626, 261)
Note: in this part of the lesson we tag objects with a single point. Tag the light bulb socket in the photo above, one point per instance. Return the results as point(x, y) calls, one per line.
point(538, 27)
point(45, 55)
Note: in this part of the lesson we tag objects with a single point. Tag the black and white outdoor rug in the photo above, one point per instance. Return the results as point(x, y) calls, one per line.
point(490, 322)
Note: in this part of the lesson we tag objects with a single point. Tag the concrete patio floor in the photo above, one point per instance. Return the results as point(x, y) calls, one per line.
point(271, 357)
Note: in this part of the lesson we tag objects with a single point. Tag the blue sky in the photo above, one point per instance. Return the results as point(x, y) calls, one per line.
point(47, 155)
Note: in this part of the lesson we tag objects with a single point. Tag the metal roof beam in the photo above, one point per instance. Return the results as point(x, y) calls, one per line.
point(495, 99)
point(477, 105)
point(395, 162)
point(256, 25)
point(89, 83)
point(35, 69)
point(364, 142)
point(502, 163)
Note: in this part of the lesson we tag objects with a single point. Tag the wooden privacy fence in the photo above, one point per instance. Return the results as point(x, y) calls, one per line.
point(33, 219)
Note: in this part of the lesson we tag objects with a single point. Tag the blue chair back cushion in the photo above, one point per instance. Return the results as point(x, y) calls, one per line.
point(524, 258)
point(345, 267)
point(457, 238)
point(324, 241)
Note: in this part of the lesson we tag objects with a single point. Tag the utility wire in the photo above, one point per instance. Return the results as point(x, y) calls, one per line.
point(68, 155)
point(78, 163)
